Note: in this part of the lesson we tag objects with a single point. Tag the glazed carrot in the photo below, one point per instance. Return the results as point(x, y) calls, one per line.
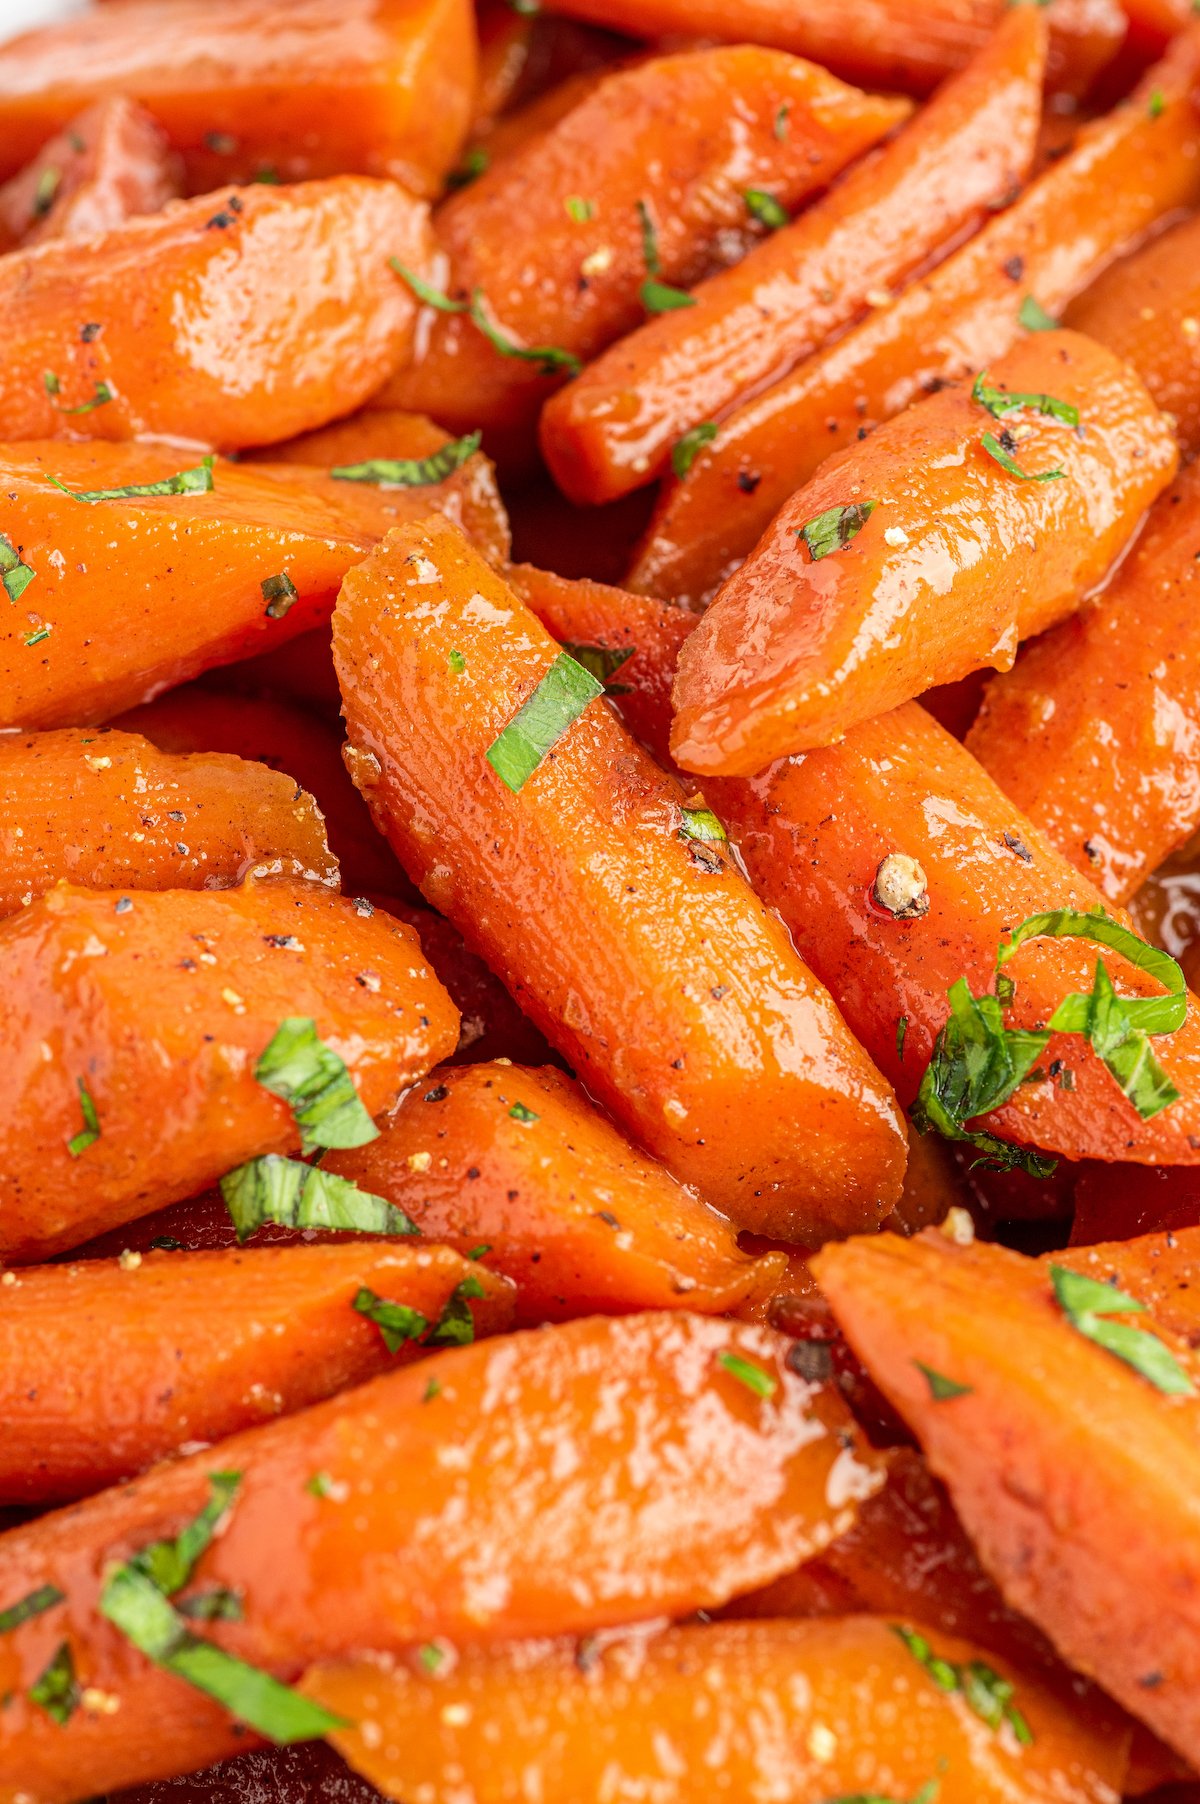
point(156, 1008)
point(108, 810)
point(1073, 1470)
point(1075, 734)
point(1147, 310)
point(467, 495)
point(970, 149)
point(685, 136)
point(155, 309)
point(517, 1160)
point(505, 46)
point(197, 1346)
point(803, 1712)
point(1130, 169)
point(859, 595)
point(709, 1486)
point(298, 672)
point(883, 43)
point(681, 1005)
point(109, 164)
point(296, 89)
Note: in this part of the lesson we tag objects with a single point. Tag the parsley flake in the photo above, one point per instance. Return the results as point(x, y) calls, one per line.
point(48, 184)
point(656, 296)
point(412, 472)
point(455, 1326)
point(602, 662)
point(519, 1112)
point(1087, 1305)
point(686, 450)
point(999, 402)
point(34, 1603)
point(1032, 316)
point(198, 480)
point(830, 531)
point(89, 1133)
point(986, 1694)
point(397, 1323)
point(579, 209)
point(766, 209)
point(14, 575)
point(290, 1194)
point(700, 824)
point(279, 592)
point(941, 1388)
point(56, 1689)
point(559, 699)
point(762, 1384)
point(1003, 456)
point(313, 1080)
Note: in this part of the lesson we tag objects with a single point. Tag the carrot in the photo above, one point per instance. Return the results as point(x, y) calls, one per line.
point(1115, 1203)
point(106, 809)
point(1070, 1451)
point(718, 1469)
point(621, 423)
point(684, 138)
point(1147, 310)
point(810, 1710)
point(152, 313)
point(1129, 170)
point(859, 596)
point(134, 1029)
point(1075, 732)
point(298, 672)
point(682, 1006)
point(109, 164)
point(505, 48)
point(540, 114)
point(294, 90)
point(516, 1161)
point(200, 1345)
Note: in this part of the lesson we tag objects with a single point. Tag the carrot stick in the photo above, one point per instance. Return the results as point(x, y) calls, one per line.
point(287, 90)
point(353, 1527)
point(970, 149)
point(684, 138)
point(106, 809)
point(858, 597)
point(198, 1346)
point(154, 310)
point(682, 1006)
point(1130, 169)
point(807, 1712)
point(1073, 1471)
point(156, 1008)
point(517, 1161)
point(1074, 733)
point(110, 163)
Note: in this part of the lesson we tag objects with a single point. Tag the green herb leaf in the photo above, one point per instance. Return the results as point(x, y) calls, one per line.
point(412, 472)
point(456, 661)
point(1156, 104)
point(218, 1605)
point(50, 383)
point(687, 449)
point(1007, 461)
point(941, 1388)
point(430, 1656)
point(763, 1384)
point(319, 1485)
point(433, 1388)
point(537, 726)
point(579, 209)
point(602, 662)
point(1032, 316)
point(473, 165)
point(56, 1689)
point(782, 121)
point(1000, 402)
point(279, 592)
point(700, 823)
point(650, 255)
point(548, 358)
point(36, 637)
point(1087, 1305)
point(102, 394)
point(833, 529)
point(169, 1564)
point(519, 1112)
point(766, 209)
point(90, 1131)
point(986, 1694)
point(196, 481)
point(901, 1035)
point(425, 291)
point(455, 1326)
point(976, 1065)
point(479, 1251)
point(660, 297)
point(294, 1195)
point(15, 576)
point(48, 184)
point(34, 1603)
point(396, 1322)
point(313, 1080)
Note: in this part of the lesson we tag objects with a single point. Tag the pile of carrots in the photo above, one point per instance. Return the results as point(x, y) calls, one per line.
point(599, 879)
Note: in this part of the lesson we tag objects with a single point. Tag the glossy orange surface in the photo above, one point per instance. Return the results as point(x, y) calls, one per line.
point(672, 1486)
point(681, 1005)
point(109, 164)
point(161, 1009)
point(967, 152)
point(958, 560)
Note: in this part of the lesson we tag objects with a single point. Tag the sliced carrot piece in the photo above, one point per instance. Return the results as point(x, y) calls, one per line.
point(696, 1025)
point(1136, 166)
point(285, 89)
point(710, 1484)
point(107, 809)
point(155, 310)
point(619, 426)
point(109, 164)
point(860, 596)
point(157, 1006)
point(198, 1346)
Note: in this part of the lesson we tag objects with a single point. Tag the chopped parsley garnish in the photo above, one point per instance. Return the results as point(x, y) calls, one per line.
point(1001, 454)
point(433, 1388)
point(48, 184)
point(941, 1388)
point(294, 1195)
point(766, 209)
point(656, 296)
point(89, 1133)
point(34, 1603)
point(102, 394)
point(1032, 316)
point(901, 1034)
point(279, 592)
point(425, 291)
point(218, 1605)
point(169, 1564)
point(763, 1384)
point(397, 1322)
point(455, 1326)
point(559, 699)
point(700, 824)
point(313, 1080)
point(15, 576)
point(412, 472)
point(999, 402)
point(456, 661)
point(783, 121)
point(833, 529)
point(602, 661)
point(36, 637)
point(50, 383)
point(1156, 104)
point(927, 1795)
point(56, 1689)
point(321, 1484)
point(519, 1112)
point(686, 450)
point(985, 1693)
point(430, 1656)
point(550, 359)
point(473, 165)
point(1088, 1304)
point(579, 209)
point(196, 481)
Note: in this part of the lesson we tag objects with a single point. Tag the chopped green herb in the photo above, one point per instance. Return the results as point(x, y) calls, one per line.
point(294, 1195)
point(198, 480)
point(433, 1388)
point(927, 1795)
point(36, 637)
point(56, 1689)
point(1001, 455)
point(479, 1251)
point(1087, 1305)
point(999, 402)
point(266, 174)
point(766, 209)
point(579, 209)
point(985, 1693)
point(169, 1564)
point(763, 1384)
point(455, 1326)
point(976, 1065)
point(602, 662)
point(320, 1484)
point(279, 592)
point(700, 823)
point(1032, 317)
point(430, 1657)
point(686, 450)
point(548, 358)
point(456, 661)
point(1156, 104)
point(218, 1605)
point(50, 383)
point(313, 1080)
point(901, 1034)
point(396, 1322)
point(537, 726)
point(519, 1112)
point(425, 291)
point(833, 529)
point(650, 255)
point(89, 1133)
point(783, 121)
point(660, 297)
point(15, 576)
point(48, 184)
point(102, 394)
point(941, 1388)
point(34, 1603)
point(412, 472)
point(473, 165)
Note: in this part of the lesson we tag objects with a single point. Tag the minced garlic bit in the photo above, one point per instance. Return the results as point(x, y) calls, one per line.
point(959, 1226)
point(129, 1260)
point(419, 1161)
point(901, 887)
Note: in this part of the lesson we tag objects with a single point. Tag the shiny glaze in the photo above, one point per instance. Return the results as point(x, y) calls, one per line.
point(1127, 171)
point(564, 1206)
point(656, 973)
point(1095, 733)
point(161, 1009)
point(201, 337)
point(304, 87)
point(559, 1481)
point(613, 429)
point(111, 163)
point(958, 561)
